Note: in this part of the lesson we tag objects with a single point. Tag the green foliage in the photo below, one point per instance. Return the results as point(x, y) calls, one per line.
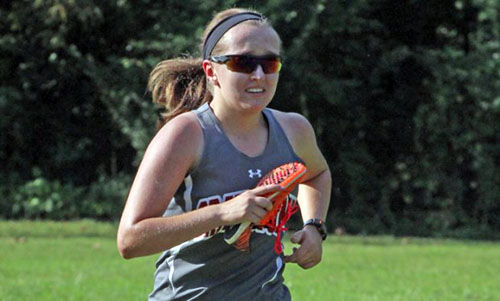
point(105, 198)
point(403, 96)
point(42, 198)
point(55, 51)
point(380, 80)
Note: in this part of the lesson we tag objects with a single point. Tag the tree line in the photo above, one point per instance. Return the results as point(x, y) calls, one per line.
point(404, 97)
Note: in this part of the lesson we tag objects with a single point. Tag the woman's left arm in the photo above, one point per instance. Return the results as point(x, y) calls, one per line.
point(314, 191)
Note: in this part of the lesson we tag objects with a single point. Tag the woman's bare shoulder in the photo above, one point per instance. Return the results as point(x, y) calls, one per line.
point(295, 125)
point(185, 123)
point(182, 135)
point(300, 133)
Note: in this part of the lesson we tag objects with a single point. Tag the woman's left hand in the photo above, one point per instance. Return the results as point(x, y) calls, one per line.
point(308, 254)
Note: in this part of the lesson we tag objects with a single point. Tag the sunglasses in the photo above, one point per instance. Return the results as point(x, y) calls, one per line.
point(248, 63)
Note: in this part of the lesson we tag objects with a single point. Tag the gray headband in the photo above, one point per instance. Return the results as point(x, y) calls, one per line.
point(222, 27)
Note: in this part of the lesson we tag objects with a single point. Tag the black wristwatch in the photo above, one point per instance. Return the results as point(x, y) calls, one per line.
point(319, 224)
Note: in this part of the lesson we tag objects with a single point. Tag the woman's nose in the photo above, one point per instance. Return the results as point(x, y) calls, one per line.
point(258, 73)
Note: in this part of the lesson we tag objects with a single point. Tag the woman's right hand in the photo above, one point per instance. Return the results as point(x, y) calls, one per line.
point(250, 206)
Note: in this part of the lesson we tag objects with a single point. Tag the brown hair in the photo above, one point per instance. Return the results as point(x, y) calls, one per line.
point(180, 84)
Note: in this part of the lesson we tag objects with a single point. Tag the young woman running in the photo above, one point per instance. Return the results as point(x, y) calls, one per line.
point(199, 173)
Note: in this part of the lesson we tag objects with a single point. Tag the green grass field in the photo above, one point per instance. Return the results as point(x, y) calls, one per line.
point(79, 261)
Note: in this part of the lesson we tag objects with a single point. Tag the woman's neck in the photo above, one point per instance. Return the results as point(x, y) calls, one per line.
point(247, 131)
point(238, 121)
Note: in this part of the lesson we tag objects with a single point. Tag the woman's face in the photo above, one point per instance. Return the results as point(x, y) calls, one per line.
point(241, 91)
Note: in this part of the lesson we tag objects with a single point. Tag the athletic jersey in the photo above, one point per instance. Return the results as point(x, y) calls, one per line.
point(206, 267)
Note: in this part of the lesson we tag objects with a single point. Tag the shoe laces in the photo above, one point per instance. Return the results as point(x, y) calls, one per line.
point(278, 221)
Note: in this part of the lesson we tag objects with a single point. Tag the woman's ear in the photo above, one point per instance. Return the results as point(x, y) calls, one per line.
point(208, 68)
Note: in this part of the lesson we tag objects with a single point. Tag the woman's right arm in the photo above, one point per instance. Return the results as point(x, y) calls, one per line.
point(172, 152)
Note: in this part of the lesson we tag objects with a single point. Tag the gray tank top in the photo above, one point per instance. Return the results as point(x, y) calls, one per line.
point(206, 267)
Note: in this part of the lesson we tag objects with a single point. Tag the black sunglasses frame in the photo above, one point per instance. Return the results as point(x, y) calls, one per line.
point(254, 59)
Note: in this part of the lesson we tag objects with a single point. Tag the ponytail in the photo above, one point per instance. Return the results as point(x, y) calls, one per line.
point(180, 85)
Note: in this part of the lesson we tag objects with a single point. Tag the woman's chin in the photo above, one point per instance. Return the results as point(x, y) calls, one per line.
point(256, 103)
point(254, 107)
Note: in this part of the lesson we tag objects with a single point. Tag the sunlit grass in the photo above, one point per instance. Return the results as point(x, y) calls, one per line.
point(79, 261)
point(384, 268)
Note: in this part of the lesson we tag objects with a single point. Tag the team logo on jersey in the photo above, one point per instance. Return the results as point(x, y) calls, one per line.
point(257, 173)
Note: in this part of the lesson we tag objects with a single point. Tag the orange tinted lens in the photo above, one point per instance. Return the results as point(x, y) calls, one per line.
point(248, 64)
point(271, 65)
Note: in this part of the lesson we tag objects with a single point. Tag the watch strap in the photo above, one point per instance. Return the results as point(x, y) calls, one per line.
point(320, 226)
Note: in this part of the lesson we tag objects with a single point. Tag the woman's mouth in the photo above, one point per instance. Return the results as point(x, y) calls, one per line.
point(254, 90)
